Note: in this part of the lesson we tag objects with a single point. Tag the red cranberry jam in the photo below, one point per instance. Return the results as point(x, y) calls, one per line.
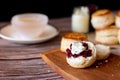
point(85, 53)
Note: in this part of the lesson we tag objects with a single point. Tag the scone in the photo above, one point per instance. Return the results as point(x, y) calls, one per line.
point(119, 36)
point(102, 51)
point(102, 18)
point(70, 37)
point(117, 19)
point(81, 54)
point(107, 35)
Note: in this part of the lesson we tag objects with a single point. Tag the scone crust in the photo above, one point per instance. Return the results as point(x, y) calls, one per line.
point(111, 27)
point(118, 36)
point(117, 19)
point(118, 13)
point(101, 12)
point(111, 40)
point(108, 31)
point(70, 37)
point(76, 36)
point(119, 33)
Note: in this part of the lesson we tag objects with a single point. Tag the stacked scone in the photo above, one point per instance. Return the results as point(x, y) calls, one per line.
point(81, 53)
point(117, 19)
point(117, 23)
point(106, 33)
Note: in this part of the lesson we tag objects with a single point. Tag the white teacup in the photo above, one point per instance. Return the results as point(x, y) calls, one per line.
point(29, 25)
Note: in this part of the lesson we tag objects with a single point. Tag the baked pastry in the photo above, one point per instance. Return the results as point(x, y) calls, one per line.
point(107, 35)
point(102, 18)
point(102, 51)
point(117, 19)
point(81, 54)
point(70, 37)
point(119, 36)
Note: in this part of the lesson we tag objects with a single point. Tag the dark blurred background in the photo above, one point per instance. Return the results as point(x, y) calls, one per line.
point(52, 8)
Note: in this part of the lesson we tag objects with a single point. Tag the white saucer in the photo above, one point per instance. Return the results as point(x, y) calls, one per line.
point(7, 34)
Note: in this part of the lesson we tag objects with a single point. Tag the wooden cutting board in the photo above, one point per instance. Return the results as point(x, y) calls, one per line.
point(108, 69)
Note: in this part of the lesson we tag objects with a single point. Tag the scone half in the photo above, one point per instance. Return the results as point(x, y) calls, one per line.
point(102, 51)
point(81, 54)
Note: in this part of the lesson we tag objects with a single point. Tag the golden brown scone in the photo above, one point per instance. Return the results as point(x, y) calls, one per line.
point(117, 19)
point(70, 37)
point(107, 35)
point(102, 18)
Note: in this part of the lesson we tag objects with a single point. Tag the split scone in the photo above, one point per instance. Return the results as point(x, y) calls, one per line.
point(107, 35)
point(102, 18)
point(70, 37)
point(102, 51)
point(81, 54)
point(117, 19)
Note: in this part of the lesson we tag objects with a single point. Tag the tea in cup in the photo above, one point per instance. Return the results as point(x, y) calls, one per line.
point(29, 25)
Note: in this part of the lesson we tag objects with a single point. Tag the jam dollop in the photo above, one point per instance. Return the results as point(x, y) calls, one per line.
point(85, 53)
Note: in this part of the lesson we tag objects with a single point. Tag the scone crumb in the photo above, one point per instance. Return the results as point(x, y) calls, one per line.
point(112, 75)
point(97, 66)
point(106, 60)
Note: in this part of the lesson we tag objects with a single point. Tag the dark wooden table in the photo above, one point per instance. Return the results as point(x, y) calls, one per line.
point(23, 62)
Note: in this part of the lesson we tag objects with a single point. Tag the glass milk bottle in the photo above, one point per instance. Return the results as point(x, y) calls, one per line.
point(80, 20)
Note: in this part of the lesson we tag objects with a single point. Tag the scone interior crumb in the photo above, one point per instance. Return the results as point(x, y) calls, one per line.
point(81, 54)
point(103, 51)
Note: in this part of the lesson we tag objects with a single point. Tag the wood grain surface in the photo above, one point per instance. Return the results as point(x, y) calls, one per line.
point(108, 69)
point(23, 62)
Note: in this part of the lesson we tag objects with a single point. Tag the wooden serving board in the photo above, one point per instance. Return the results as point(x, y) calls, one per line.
point(108, 69)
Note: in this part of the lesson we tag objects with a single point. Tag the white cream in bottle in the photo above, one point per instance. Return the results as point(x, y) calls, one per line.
point(80, 20)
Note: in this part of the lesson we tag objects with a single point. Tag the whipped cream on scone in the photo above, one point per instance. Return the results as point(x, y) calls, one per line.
point(81, 54)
